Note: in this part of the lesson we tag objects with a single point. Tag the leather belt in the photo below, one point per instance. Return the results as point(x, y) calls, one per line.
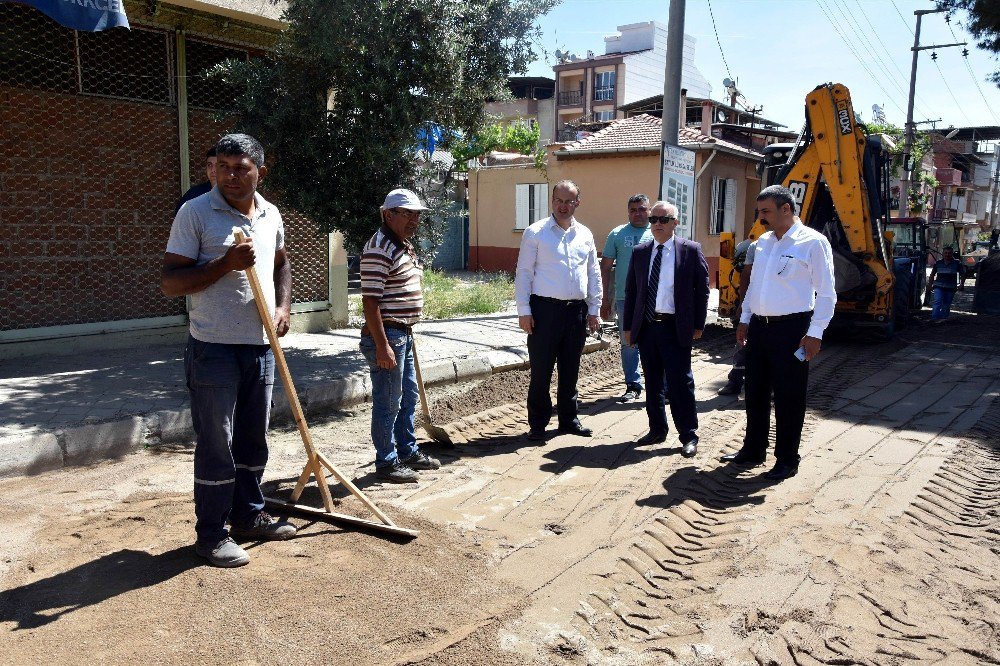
point(662, 316)
point(389, 323)
point(785, 317)
point(558, 301)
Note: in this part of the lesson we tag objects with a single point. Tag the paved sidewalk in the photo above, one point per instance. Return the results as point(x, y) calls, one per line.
point(57, 411)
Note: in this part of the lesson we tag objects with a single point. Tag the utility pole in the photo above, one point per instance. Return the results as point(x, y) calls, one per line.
point(906, 181)
point(672, 74)
point(996, 188)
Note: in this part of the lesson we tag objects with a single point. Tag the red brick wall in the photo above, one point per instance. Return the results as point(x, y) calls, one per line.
point(87, 192)
point(88, 187)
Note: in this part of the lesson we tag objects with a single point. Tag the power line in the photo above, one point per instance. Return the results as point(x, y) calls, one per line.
point(717, 40)
point(965, 56)
point(901, 17)
point(944, 80)
point(903, 76)
point(874, 57)
point(860, 60)
point(960, 107)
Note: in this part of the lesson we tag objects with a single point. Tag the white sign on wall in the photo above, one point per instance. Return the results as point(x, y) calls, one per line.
point(677, 185)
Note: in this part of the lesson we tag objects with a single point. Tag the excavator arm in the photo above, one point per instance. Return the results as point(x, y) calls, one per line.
point(826, 173)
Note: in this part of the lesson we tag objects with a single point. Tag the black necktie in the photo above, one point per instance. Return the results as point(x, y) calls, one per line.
point(654, 282)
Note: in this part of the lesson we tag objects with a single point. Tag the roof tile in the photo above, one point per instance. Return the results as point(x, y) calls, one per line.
point(643, 132)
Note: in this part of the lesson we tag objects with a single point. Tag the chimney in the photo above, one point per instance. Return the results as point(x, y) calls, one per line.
point(706, 117)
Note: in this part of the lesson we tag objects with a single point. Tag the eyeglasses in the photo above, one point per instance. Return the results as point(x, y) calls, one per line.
point(661, 219)
point(408, 214)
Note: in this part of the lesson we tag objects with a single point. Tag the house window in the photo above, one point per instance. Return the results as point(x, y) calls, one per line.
point(604, 116)
point(531, 204)
point(723, 206)
point(604, 86)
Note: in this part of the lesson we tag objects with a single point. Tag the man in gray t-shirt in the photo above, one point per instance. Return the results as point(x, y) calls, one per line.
point(228, 362)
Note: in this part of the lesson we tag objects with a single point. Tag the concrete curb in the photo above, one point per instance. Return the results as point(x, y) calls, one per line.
point(39, 451)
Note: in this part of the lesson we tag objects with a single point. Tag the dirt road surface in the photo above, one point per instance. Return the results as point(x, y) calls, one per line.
point(883, 550)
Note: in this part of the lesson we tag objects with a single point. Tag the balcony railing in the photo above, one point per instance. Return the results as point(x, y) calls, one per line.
point(605, 94)
point(570, 98)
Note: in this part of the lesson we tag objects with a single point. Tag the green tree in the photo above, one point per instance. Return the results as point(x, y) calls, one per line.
point(983, 22)
point(921, 145)
point(339, 101)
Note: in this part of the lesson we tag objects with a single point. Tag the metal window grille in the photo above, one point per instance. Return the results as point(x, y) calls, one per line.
point(91, 172)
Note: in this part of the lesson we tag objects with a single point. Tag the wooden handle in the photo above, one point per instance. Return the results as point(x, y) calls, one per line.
point(420, 381)
point(315, 463)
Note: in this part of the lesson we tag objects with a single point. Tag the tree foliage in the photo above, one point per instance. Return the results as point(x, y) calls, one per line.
point(339, 101)
point(983, 22)
point(921, 145)
point(517, 137)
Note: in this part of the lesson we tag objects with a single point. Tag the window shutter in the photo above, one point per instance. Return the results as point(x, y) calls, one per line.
point(730, 220)
point(713, 225)
point(521, 206)
point(542, 200)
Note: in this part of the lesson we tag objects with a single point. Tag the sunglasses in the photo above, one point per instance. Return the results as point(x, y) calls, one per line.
point(661, 219)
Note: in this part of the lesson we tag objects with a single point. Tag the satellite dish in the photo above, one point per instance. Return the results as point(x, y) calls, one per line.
point(728, 82)
point(722, 116)
point(952, 133)
point(559, 54)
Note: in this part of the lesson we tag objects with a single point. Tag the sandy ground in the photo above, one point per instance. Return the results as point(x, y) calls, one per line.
point(883, 550)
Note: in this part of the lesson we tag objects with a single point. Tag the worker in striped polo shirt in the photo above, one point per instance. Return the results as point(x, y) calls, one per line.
point(393, 301)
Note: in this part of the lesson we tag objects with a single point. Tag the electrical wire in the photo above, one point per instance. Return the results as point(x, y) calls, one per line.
point(892, 60)
point(857, 56)
point(972, 75)
point(717, 40)
point(873, 55)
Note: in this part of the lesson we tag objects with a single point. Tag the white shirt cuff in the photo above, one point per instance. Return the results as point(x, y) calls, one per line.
point(745, 317)
point(815, 331)
point(523, 310)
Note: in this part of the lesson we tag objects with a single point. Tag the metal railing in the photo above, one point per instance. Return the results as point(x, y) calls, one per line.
point(570, 98)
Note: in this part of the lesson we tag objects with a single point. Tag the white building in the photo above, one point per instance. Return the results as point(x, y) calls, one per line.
point(631, 68)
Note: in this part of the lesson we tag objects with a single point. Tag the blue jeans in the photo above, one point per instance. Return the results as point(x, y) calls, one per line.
point(630, 355)
point(230, 387)
point(941, 307)
point(394, 400)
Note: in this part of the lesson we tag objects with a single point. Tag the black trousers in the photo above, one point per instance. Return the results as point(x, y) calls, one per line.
point(738, 372)
point(557, 341)
point(662, 354)
point(771, 366)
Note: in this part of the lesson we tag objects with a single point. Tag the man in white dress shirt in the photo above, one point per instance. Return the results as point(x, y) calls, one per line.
point(558, 294)
point(788, 305)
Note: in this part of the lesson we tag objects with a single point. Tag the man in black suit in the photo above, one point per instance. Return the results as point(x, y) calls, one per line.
point(666, 304)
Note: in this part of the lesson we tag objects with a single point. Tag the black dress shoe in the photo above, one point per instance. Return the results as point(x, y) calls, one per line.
point(536, 435)
point(690, 448)
point(741, 457)
point(782, 471)
point(576, 428)
point(731, 388)
point(652, 438)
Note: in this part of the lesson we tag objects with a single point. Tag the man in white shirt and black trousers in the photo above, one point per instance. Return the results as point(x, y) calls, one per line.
point(558, 294)
point(789, 303)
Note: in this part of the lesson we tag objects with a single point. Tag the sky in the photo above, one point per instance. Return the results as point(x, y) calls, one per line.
point(863, 44)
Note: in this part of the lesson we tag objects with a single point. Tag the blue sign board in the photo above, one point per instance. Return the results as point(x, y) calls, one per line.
point(83, 15)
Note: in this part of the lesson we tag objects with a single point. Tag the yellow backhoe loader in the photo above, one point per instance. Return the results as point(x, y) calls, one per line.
point(838, 175)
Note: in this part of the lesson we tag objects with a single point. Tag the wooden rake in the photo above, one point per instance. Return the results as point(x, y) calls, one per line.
point(316, 461)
